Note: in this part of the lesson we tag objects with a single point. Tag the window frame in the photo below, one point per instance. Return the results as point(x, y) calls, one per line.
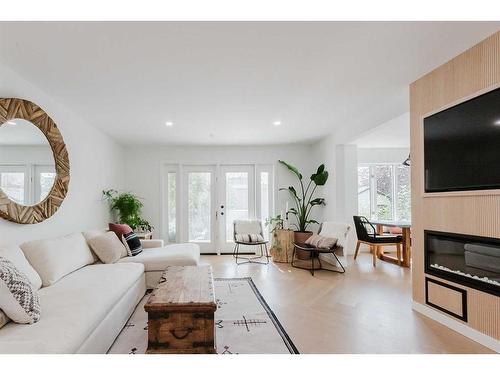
point(21, 168)
point(372, 183)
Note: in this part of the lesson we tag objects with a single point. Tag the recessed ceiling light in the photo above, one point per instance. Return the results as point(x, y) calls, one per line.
point(277, 123)
point(497, 122)
point(169, 123)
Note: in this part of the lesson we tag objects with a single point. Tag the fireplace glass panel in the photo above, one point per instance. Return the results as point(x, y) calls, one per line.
point(469, 260)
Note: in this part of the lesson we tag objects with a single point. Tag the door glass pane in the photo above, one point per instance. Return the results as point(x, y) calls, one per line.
point(12, 184)
point(46, 183)
point(264, 200)
point(236, 200)
point(364, 192)
point(383, 185)
point(171, 206)
point(199, 206)
point(403, 193)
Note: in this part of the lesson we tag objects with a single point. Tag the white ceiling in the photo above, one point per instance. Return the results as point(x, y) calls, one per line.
point(394, 133)
point(20, 132)
point(227, 82)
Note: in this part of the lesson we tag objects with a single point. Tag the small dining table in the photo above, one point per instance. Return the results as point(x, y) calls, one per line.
point(406, 244)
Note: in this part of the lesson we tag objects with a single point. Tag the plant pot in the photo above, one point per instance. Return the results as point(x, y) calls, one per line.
point(300, 238)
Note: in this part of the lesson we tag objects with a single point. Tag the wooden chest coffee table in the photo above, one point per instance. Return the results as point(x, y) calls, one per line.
point(181, 312)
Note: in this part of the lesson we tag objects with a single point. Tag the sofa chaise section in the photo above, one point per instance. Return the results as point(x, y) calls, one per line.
point(156, 258)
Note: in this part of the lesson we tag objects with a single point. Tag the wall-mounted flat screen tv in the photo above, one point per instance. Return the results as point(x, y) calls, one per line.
point(462, 146)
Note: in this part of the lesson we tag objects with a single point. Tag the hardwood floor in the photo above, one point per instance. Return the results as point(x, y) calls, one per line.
point(365, 310)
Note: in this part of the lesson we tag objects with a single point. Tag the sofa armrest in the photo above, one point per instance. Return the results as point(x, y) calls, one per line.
point(149, 244)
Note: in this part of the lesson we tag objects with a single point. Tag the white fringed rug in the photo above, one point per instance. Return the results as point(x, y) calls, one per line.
point(244, 323)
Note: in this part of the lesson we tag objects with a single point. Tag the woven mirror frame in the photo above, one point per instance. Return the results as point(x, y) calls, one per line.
point(11, 109)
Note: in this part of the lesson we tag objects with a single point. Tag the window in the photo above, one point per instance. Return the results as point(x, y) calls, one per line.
point(364, 191)
point(264, 201)
point(236, 200)
point(384, 191)
point(46, 183)
point(403, 192)
point(199, 206)
point(27, 184)
point(171, 206)
point(13, 184)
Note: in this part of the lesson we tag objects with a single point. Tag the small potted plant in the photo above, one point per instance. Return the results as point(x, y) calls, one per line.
point(304, 201)
point(275, 223)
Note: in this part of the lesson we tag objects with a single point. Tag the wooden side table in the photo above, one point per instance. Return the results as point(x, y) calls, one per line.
point(282, 249)
point(144, 235)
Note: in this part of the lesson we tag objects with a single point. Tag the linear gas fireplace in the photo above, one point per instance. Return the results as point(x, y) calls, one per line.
point(468, 260)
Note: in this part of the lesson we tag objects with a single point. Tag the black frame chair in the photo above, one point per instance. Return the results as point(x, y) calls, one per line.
point(374, 240)
point(261, 244)
point(315, 254)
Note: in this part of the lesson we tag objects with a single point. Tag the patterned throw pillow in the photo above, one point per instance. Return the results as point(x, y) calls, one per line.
point(249, 238)
point(18, 297)
point(132, 243)
point(321, 242)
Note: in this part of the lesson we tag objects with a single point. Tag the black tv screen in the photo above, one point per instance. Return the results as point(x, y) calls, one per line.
point(462, 146)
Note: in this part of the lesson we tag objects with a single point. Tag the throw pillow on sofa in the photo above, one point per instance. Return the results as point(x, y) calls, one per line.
point(55, 258)
point(18, 297)
point(120, 230)
point(88, 234)
point(107, 247)
point(132, 243)
point(4, 319)
point(16, 256)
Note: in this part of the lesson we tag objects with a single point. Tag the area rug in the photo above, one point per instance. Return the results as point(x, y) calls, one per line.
point(244, 323)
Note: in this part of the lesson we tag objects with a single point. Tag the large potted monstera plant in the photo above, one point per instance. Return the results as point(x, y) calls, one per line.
point(304, 201)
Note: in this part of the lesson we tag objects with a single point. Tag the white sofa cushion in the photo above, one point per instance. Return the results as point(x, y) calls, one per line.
point(57, 257)
point(4, 319)
point(16, 256)
point(107, 247)
point(72, 309)
point(18, 297)
point(157, 259)
point(88, 234)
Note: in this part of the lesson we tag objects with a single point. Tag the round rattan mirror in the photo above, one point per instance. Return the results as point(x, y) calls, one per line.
point(34, 163)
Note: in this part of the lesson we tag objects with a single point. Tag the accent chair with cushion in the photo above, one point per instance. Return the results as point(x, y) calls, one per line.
point(330, 240)
point(249, 233)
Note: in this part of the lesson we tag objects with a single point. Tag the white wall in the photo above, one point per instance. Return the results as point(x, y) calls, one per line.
point(382, 155)
point(323, 152)
point(26, 155)
point(143, 168)
point(96, 164)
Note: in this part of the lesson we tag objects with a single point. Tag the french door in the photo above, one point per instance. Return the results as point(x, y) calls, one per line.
point(236, 201)
point(202, 201)
point(198, 202)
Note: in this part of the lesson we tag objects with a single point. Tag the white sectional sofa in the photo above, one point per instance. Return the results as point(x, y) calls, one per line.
point(85, 304)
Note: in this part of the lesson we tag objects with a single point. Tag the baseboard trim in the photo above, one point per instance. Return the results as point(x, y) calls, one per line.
point(457, 326)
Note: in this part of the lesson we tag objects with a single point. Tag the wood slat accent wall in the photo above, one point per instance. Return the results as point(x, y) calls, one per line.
point(474, 72)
